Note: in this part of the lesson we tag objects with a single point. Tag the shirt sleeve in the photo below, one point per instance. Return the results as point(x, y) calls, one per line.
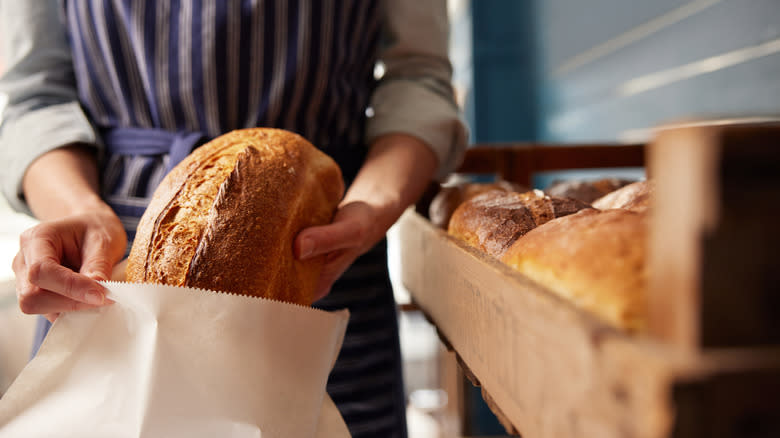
point(41, 110)
point(415, 95)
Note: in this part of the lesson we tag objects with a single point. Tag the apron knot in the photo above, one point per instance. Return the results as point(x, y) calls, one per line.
point(153, 141)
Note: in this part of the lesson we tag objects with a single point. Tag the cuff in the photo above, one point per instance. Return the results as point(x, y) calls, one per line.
point(405, 106)
point(32, 134)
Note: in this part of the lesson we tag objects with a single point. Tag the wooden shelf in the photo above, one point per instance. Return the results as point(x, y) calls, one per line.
point(551, 370)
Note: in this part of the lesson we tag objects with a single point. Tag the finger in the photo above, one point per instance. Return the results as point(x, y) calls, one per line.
point(32, 298)
point(96, 260)
point(26, 293)
point(319, 240)
point(348, 230)
point(45, 271)
point(118, 271)
point(52, 317)
point(49, 275)
point(18, 265)
point(46, 303)
point(39, 242)
point(333, 269)
point(24, 290)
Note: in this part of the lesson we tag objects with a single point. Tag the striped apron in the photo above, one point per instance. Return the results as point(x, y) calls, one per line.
point(158, 78)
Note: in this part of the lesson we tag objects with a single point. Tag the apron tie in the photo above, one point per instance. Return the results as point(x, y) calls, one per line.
point(153, 141)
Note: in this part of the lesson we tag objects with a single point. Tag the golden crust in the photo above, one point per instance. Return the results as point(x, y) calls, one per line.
point(494, 220)
point(595, 259)
point(225, 218)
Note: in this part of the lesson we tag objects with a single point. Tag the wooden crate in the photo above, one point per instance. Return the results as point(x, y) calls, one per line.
point(551, 370)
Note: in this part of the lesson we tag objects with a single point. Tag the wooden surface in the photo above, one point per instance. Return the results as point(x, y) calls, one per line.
point(679, 155)
point(546, 364)
point(555, 371)
point(715, 236)
point(518, 162)
point(710, 365)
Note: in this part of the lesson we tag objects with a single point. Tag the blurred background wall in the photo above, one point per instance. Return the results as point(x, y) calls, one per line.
point(16, 329)
point(607, 70)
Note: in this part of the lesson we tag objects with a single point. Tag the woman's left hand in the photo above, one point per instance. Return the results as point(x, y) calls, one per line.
point(396, 172)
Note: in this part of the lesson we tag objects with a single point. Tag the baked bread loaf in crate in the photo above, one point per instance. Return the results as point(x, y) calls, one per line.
point(450, 197)
point(493, 221)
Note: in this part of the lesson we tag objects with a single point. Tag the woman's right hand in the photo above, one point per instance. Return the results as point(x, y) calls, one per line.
point(60, 262)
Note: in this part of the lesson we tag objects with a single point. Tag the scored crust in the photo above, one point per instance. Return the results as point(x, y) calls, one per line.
point(585, 191)
point(494, 220)
point(450, 197)
point(225, 218)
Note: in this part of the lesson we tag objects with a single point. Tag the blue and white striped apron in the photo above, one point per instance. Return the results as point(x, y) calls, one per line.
point(158, 78)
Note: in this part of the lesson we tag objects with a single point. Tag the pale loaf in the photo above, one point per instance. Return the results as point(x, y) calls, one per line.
point(635, 197)
point(594, 259)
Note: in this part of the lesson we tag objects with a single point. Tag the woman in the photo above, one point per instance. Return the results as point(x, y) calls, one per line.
point(106, 96)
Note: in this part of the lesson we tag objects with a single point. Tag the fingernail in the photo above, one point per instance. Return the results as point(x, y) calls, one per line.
point(307, 247)
point(95, 297)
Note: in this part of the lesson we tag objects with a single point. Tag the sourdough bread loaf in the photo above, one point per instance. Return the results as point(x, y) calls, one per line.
point(595, 259)
point(493, 221)
point(450, 197)
point(585, 191)
point(225, 218)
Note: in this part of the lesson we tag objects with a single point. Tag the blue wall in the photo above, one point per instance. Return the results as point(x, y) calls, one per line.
point(605, 70)
point(610, 68)
point(505, 98)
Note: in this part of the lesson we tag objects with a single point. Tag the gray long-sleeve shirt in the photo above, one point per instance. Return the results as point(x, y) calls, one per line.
point(43, 110)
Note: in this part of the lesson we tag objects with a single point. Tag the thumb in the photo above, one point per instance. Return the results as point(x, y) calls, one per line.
point(96, 258)
point(323, 239)
point(349, 229)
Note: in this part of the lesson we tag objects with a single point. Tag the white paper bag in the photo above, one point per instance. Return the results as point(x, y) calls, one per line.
point(168, 362)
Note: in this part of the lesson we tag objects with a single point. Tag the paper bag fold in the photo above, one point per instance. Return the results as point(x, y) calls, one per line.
point(168, 361)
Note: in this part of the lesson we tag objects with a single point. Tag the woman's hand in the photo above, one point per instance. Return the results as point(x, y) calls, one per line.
point(60, 261)
point(356, 227)
point(78, 240)
point(396, 172)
